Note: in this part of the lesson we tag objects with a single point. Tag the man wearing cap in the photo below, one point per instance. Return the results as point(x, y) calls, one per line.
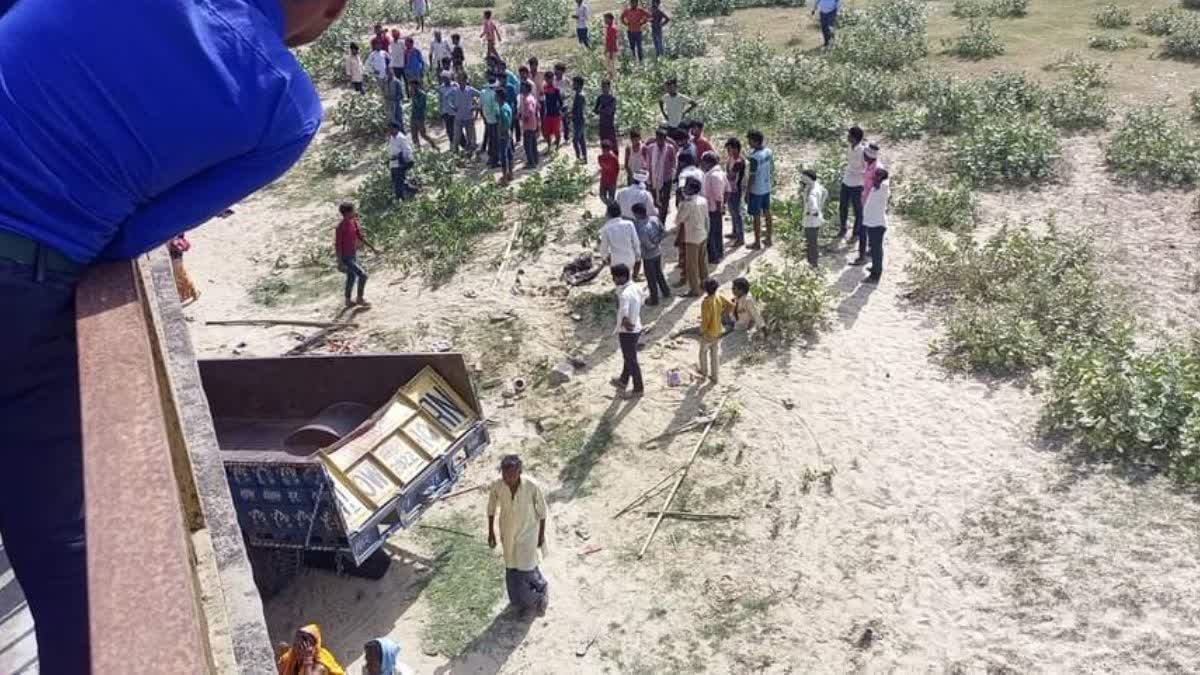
point(521, 503)
point(132, 156)
point(814, 213)
point(635, 193)
point(693, 225)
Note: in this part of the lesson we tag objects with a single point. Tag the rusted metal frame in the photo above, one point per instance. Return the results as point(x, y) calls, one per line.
point(140, 577)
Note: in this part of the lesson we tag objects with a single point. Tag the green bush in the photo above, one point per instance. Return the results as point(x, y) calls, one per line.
point(1161, 21)
point(543, 195)
point(861, 89)
point(1006, 93)
point(686, 39)
point(954, 208)
point(794, 300)
point(1184, 41)
point(447, 17)
point(1113, 16)
point(1141, 406)
point(952, 105)
point(980, 41)
point(1112, 43)
point(891, 35)
point(478, 4)
point(1191, 4)
point(997, 8)
point(545, 19)
point(906, 122)
point(1010, 149)
point(363, 117)
point(336, 160)
point(1072, 106)
point(1014, 299)
point(1195, 100)
point(818, 121)
point(1153, 148)
point(694, 8)
point(437, 230)
point(1083, 72)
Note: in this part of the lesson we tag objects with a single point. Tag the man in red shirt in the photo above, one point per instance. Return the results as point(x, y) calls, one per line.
point(702, 145)
point(349, 233)
point(380, 40)
point(634, 18)
point(610, 168)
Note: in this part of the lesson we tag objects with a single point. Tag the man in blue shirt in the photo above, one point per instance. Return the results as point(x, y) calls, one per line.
point(120, 155)
point(828, 10)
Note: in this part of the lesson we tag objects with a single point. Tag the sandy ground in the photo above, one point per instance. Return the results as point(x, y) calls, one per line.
point(893, 518)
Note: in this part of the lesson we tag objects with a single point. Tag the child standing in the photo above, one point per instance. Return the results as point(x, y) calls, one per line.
point(346, 239)
point(610, 168)
point(504, 116)
point(578, 109)
point(183, 283)
point(354, 68)
point(606, 112)
point(634, 159)
point(529, 125)
point(610, 44)
point(490, 32)
point(712, 308)
point(560, 83)
point(552, 124)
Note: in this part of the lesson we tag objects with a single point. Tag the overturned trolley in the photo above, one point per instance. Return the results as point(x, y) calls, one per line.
point(327, 456)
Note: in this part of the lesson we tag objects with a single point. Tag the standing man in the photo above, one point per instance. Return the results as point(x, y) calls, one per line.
point(814, 213)
point(635, 193)
point(762, 166)
point(715, 187)
point(490, 110)
point(606, 116)
point(582, 13)
point(377, 63)
point(111, 189)
point(619, 243)
point(380, 39)
point(693, 228)
point(397, 54)
point(634, 18)
point(660, 161)
point(875, 223)
point(346, 239)
point(465, 110)
point(650, 234)
point(674, 105)
point(629, 329)
point(400, 160)
point(395, 98)
point(438, 49)
point(658, 20)
point(828, 10)
point(522, 506)
point(852, 184)
point(414, 62)
point(504, 148)
point(419, 105)
point(419, 9)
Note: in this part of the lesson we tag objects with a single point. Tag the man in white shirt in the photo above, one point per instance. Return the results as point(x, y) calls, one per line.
point(875, 223)
point(354, 69)
point(582, 14)
point(400, 160)
point(522, 506)
point(378, 62)
point(693, 228)
point(629, 329)
point(674, 105)
point(852, 184)
point(397, 55)
point(619, 243)
point(635, 193)
point(814, 213)
point(438, 49)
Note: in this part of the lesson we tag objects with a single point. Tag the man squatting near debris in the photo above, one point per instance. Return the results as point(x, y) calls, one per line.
point(522, 505)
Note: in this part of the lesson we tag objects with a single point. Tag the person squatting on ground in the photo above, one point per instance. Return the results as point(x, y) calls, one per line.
point(628, 330)
point(650, 233)
point(521, 504)
point(744, 314)
point(346, 239)
point(306, 655)
point(814, 214)
point(713, 307)
point(119, 184)
point(381, 656)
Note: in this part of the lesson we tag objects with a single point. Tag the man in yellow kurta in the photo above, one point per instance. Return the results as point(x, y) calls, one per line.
point(522, 505)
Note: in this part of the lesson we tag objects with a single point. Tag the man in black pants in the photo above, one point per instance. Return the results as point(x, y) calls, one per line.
point(629, 329)
point(852, 184)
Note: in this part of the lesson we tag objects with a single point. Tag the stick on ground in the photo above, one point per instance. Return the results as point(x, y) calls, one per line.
point(691, 460)
point(647, 494)
point(687, 515)
point(282, 322)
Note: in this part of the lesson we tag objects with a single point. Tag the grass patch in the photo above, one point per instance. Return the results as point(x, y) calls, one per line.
point(738, 620)
point(794, 300)
point(1113, 16)
point(466, 583)
point(1114, 43)
point(268, 291)
point(499, 344)
point(593, 307)
point(1155, 149)
point(954, 208)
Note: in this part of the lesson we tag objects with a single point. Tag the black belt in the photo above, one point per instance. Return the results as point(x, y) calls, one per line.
point(26, 251)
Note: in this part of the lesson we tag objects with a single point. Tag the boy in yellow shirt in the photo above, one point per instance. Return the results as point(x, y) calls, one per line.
point(712, 308)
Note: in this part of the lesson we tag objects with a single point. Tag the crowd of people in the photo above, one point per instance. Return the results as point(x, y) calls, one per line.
point(530, 111)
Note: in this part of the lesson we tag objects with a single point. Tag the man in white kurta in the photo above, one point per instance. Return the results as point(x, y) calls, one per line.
point(522, 506)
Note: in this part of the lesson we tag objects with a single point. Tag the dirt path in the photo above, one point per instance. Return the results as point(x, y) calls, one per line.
point(893, 518)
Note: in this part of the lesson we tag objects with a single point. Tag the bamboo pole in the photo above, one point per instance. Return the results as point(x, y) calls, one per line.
point(691, 460)
point(688, 515)
point(647, 494)
point(282, 322)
